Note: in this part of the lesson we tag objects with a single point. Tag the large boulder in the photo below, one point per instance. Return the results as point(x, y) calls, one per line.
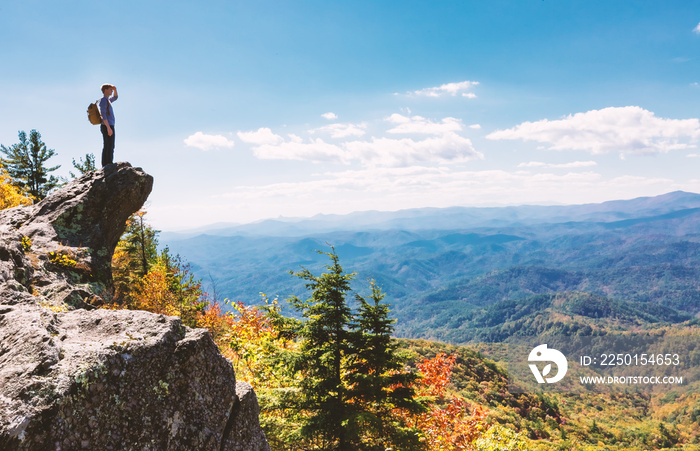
point(84, 378)
point(62, 247)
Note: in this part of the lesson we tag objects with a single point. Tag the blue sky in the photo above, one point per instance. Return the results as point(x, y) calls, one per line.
point(250, 110)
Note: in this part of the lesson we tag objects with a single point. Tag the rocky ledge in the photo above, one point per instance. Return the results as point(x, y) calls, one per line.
point(74, 377)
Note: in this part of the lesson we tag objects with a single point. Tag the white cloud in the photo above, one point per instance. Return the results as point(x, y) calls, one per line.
point(208, 142)
point(697, 29)
point(389, 152)
point(628, 130)
point(421, 125)
point(397, 118)
point(411, 187)
point(443, 146)
point(342, 130)
point(386, 152)
point(316, 150)
point(330, 116)
point(475, 126)
point(262, 136)
point(574, 164)
point(451, 89)
point(693, 155)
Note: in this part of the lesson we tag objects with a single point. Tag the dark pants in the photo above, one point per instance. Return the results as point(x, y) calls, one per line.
point(108, 145)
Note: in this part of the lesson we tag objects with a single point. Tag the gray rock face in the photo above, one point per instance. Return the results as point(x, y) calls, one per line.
point(73, 233)
point(74, 379)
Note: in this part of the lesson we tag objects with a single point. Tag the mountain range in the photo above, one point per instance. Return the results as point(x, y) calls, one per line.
point(454, 274)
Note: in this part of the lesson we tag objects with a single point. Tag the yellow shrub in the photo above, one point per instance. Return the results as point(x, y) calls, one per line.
point(11, 196)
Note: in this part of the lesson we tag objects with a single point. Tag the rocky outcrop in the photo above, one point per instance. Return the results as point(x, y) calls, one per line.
point(61, 248)
point(74, 377)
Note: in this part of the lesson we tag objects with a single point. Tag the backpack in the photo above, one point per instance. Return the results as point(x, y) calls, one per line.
point(93, 113)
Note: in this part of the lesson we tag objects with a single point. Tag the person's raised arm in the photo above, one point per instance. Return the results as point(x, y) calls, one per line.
point(115, 96)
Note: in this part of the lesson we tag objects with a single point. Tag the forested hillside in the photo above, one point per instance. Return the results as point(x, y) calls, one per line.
point(442, 278)
point(587, 271)
point(569, 421)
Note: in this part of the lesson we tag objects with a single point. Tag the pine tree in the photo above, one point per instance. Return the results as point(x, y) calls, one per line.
point(135, 254)
point(351, 374)
point(378, 379)
point(186, 290)
point(84, 167)
point(323, 351)
point(141, 242)
point(25, 162)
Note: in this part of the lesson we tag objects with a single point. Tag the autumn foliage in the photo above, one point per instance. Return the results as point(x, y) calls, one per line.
point(450, 422)
point(10, 195)
point(387, 404)
point(252, 343)
point(212, 319)
point(153, 293)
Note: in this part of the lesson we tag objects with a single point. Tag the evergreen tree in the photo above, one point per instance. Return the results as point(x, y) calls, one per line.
point(141, 242)
point(146, 280)
point(135, 254)
point(324, 348)
point(84, 167)
point(25, 162)
point(350, 372)
point(378, 379)
point(186, 290)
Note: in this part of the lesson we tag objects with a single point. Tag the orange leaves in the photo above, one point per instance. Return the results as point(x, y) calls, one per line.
point(168, 287)
point(436, 374)
point(250, 322)
point(246, 336)
point(216, 322)
point(452, 427)
point(448, 423)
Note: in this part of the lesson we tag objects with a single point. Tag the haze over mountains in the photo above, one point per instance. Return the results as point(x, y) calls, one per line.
point(453, 218)
point(457, 274)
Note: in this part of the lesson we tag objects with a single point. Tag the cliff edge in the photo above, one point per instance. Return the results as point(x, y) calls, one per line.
point(75, 377)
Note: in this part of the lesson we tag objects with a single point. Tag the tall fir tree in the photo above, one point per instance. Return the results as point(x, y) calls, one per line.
point(324, 348)
point(350, 372)
point(135, 254)
point(141, 242)
point(25, 162)
point(379, 381)
point(186, 290)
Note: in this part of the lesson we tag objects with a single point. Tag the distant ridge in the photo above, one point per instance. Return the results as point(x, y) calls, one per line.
point(444, 269)
point(453, 217)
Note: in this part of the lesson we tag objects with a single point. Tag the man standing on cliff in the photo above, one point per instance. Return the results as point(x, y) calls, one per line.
point(109, 93)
